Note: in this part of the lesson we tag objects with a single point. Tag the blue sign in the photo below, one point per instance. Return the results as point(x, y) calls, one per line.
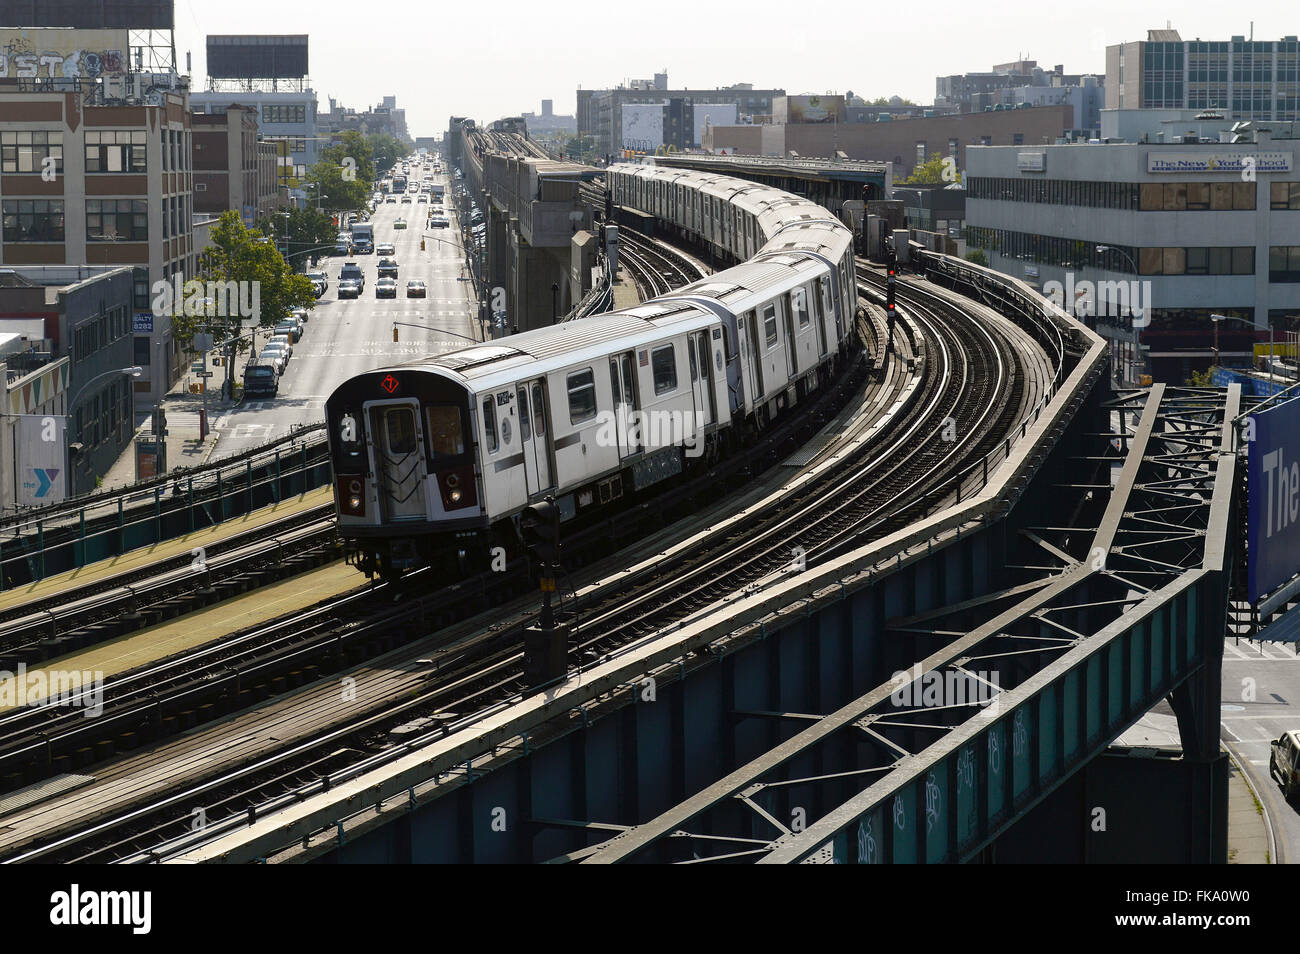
point(144, 322)
point(1273, 521)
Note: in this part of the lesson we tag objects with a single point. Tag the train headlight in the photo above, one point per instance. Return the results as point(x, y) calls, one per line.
point(355, 503)
point(455, 496)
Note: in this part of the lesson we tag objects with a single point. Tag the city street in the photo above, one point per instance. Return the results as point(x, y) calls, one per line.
point(344, 338)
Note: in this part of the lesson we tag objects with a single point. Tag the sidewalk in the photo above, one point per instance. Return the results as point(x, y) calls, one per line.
point(185, 449)
point(1247, 833)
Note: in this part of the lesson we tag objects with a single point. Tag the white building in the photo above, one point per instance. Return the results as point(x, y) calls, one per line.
point(1201, 228)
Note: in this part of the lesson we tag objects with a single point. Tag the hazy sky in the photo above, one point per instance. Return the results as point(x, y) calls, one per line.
point(497, 58)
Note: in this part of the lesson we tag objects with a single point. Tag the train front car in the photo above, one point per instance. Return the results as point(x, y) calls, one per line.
point(405, 483)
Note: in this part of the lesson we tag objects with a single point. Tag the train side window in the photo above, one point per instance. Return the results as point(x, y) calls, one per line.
point(525, 427)
point(446, 434)
point(663, 361)
point(490, 424)
point(769, 326)
point(539, 411)
point(799, 306)
point(582, 396)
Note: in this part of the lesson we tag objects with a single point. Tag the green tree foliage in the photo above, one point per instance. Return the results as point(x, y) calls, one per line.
point(386, 150)
point(243, 267)
point(309, 231)
point(976, 256)
point(345, 173)
point(936, 171)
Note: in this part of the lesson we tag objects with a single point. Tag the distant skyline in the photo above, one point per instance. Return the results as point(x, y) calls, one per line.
point(498, 58)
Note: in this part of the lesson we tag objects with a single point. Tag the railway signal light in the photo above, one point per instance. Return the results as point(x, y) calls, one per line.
point(540, 525)
point(394, 331)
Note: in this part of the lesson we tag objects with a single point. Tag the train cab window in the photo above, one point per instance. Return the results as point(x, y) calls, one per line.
point(769, 326)
point(446, 435)
point(399, 430)
point(799, 306)
point(582, 396)
point(827, 306)
point(490, 425)
point(663, 362)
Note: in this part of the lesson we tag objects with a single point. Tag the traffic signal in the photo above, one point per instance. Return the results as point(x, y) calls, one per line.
point(394, 332)
point(889, 288)
point(160, 421)
point(540, 525)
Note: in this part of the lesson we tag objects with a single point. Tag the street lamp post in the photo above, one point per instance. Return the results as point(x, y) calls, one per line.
point(134, 371)
point(1135, 342)
point(1218, 318)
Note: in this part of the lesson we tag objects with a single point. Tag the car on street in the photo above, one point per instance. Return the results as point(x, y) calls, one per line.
point(438, 222)
point(391, 199)
point(261, 379)
point(385, 249)
point(300, 315)
point(290, 329)
point(406, 200)
point(415, 289)
point(349, 288)
point(400, 224)
point(321, 279)
point(1284, 764)
point(353, 271)
point(387, 268)
point(422, 198)
point(386, 288)
point(276, 354)
point(282, 339)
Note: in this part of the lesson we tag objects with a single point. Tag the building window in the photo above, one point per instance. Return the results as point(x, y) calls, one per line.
point(33, 220)
point(142, 352)
point(117, 220)
point(1018, 139)
point(920, 153)
point(1284, 264)
point(115, 151)
point(1284, 195)
point(28, 151)
point(284, 114)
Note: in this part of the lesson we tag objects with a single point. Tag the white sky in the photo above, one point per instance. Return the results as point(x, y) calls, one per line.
point(498, 58)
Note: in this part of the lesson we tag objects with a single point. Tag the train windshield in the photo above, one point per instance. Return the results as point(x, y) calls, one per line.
point(446, 434)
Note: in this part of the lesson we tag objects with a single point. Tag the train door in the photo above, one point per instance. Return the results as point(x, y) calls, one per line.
point(703, 398)
point(755, 355)
point(828, 306)
point(533, 433)
point(399, 462)
point(622, 382)
point(791, 343)
point(813, 302)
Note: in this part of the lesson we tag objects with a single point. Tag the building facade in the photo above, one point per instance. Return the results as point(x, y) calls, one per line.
point(1157, 237)
point(906, 143)
point(81, 315)
point(647, 116)
point(283, 116)
point(1248, 79)
point(232, 168)
point(102, 185)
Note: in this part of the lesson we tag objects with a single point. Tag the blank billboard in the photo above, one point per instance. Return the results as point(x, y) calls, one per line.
point(88, 14)
point(257, 57)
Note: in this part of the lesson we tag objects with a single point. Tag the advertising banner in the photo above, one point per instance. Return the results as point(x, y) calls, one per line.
point(1273, 520)
point(41, 455)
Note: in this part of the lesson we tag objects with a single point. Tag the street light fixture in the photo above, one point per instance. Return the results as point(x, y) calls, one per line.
point(1218, 318)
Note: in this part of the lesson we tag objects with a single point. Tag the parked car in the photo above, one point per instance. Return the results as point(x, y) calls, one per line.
point(292, 329)
point(300, 315)
point(415, 289)
point(1284, 764)
point(274, 358)
point(282, 339)
point(386, 288)
point(261, 379)
point(349, 288)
